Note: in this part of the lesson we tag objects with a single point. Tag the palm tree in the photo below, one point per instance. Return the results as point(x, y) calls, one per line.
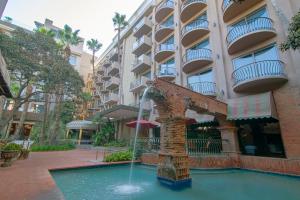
point(120, 23)
point(94, 46)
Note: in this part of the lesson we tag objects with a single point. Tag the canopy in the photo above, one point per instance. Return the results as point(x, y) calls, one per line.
point(252, 107)
point(143, 123)
point(82, 124)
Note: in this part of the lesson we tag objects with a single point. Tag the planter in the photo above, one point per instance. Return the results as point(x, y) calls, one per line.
point(24, 154)
point(8, 156)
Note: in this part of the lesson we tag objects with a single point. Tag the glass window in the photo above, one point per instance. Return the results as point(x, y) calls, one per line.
point(168, 68)
point(169, 22)
point(73, 60)
point(201, 77)
point(202, 45)
point(170, 40)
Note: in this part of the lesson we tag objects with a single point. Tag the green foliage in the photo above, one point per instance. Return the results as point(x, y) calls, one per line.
point(68, 111)
point(105, 135)
point(40, 148)
point(94, 45)
point(12, 147)
point(293, 39)
point(116, 144)
point(119, 156)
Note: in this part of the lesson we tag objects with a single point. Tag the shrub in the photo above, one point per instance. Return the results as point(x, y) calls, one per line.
point(12, 147)
point(119, 156)
point(65, 147)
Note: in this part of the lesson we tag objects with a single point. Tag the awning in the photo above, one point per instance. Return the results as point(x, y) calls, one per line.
point(143, 124)
point(82, 124)
point(199, 118)
point(252, 107)
point(121, 112)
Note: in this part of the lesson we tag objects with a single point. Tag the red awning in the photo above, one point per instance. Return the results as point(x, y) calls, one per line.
point(143, 124)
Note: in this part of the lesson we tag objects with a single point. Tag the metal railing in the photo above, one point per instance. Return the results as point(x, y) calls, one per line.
point(197, 24)
point(111, 97)
point(189, 2)
point(142, 22)
point(141, 59)
point(139, 82)
point(226, 4)
point(260, 23)
point(260, 69)
point(167, 70)
point(165, 47)
point(199, 54)
point(194, 147)
point(166, 4)
point(206, 88)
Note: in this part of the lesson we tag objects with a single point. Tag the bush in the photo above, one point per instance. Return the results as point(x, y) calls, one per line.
point(65, 147)
point(12, 147)
point(119, 156)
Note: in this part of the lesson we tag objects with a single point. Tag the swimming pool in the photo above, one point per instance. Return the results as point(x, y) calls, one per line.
point(111, 183)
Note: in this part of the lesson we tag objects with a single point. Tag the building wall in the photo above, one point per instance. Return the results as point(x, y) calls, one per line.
point(2, 6)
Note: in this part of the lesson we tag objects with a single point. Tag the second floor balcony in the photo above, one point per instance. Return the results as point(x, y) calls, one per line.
point(196, 59)
point(205, 88)
point(194, 31)
point(167, 72)
point(190, 8)
point(111, 98)
point(142, 45)
point(164, 51)
point(163, 10)
point(163, 30)
point(139, 84)
point(232, 9)
point(259, 76)
point(143, 27)
point(249, 33)
point(113, 83)
point(141, 64)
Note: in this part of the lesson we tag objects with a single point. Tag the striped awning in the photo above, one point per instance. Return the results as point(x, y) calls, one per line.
point(82, 124)
point(252, 107)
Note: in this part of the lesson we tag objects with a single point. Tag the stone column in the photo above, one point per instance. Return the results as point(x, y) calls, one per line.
point(80, 136)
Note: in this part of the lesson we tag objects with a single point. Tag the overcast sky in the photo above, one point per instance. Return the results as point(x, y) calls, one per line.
point(92, 17)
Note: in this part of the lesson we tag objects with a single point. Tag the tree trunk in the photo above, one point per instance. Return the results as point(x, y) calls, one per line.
point(23, 115)
point(121, 68)
point(42, 136)
point(55, 130)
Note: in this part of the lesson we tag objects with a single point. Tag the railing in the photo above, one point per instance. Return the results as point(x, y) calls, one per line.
point(138, 82)
point(140, 24)
point(194, 147)
point(113, 80)
point(260, 69)
point(164, 26)
point(166, 47)
point(167, 70)
point(260, 23)
point(110, 97)
point(189, 2)
point(166, 4)
point(206, 88)
point(197, 24)
point(140, 60)
point(226, 4)
point(199, 54)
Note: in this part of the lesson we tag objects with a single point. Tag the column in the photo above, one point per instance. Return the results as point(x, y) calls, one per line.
point(80, 136)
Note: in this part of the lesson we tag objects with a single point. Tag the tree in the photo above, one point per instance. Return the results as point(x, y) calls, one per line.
point(94, 46)
point(82, 102)
point(120, 23)
point(293, 38)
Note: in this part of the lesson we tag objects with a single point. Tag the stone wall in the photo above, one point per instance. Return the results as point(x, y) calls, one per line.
point(276, 165)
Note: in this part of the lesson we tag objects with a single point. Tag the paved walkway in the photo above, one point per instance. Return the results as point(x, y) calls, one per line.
point(30, 179)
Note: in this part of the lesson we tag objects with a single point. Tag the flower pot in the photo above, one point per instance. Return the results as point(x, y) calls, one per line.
point(8, 156)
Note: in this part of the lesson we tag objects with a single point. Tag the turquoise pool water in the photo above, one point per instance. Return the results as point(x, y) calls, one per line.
point(110, 183)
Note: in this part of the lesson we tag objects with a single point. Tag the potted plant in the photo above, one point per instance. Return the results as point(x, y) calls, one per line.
point(9, 152)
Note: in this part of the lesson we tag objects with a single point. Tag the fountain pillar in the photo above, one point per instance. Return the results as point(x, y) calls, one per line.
point(173, 167)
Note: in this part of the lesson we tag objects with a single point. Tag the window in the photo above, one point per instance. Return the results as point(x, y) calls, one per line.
point(169, 22)
point(168, 68)
point(201, 77)
point(199, 21)
point(73, 60)
point(201, 45)
point(170, 40)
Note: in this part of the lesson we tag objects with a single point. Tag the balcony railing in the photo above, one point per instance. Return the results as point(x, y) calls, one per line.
point(139, 83)
point(259, 70)
point(111, 97)
point(189, 2)
point(194, 147)
point(253, 25)
point(197, 24)
point(226, 4)
point(168, 70)
point(199, 54)
point(166, 4)
point(206, 88)
point(166, 47)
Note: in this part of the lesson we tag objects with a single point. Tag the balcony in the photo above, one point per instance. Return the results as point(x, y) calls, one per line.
point(113, 83)
point(249, 34)
point(100, 71)
point(163, 10)
point(141, 64)
point(167, 73)
point(164, 51)
point(111, 98)
point(194, 31)
point(106, 63)
point(190, 8)
point(106, 76)
point(163, 31)
point(114, 69)
point(114, 55)
point(99, 81)
point(259, 76)
point(196, 59)
point(142, 46)
point(142, 28)
point(205, 88)
point(138, 85)
point(231, 9)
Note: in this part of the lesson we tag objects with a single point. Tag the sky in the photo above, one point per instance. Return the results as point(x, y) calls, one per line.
point(92, 17)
